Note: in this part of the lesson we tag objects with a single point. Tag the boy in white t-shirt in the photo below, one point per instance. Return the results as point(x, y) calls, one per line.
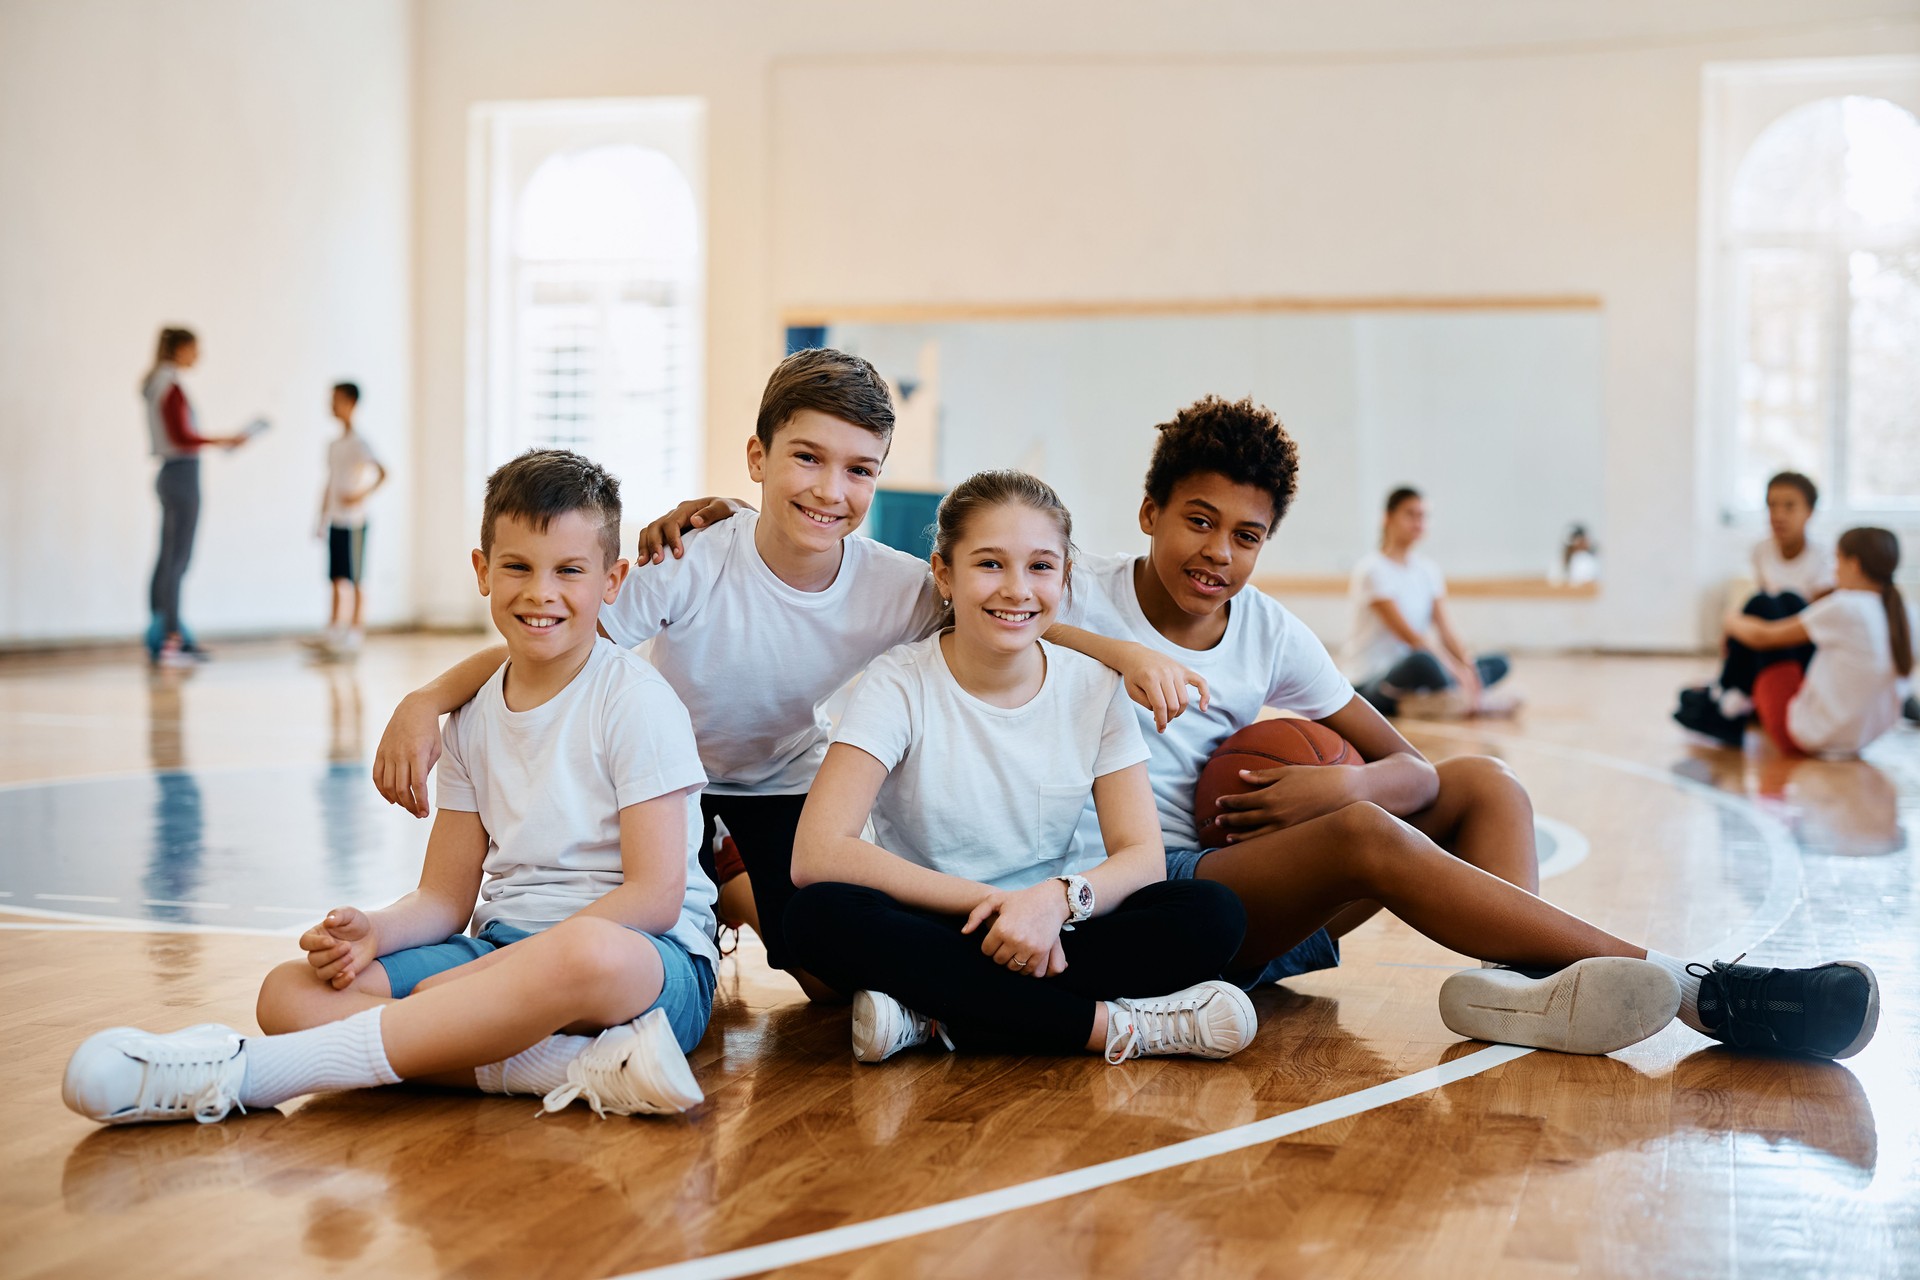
point(1791, 570)
point(353, 473)
point(569, 807)
point(1185, 615)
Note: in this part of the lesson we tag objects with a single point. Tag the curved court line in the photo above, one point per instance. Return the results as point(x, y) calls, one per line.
point(1783, 894)
point(1570, 847)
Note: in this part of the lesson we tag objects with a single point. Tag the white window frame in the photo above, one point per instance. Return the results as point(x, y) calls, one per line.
point(1740, 101)
point(507, 143)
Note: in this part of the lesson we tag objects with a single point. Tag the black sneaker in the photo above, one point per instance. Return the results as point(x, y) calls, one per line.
point(1704, 718)
point(1911, 708)
point(1828, 1011)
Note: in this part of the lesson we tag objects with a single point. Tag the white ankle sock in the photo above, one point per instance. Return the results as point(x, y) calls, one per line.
point(538, 1070)
point(347, 1054)
point(1689, 987)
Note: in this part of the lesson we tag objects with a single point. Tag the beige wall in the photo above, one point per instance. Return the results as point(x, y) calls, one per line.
point(874, 153)
point(243, 169)
point(292, 179)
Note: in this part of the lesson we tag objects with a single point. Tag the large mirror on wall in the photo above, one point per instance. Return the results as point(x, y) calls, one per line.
point(1493, 411)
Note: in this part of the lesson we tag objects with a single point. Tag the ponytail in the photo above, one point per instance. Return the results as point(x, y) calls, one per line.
point(1877, 552)
point(171, 340)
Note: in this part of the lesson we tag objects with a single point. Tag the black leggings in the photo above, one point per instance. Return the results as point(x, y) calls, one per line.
point(762, 827)
point(1421, 672)
point(1743, 665)
point(1165, 937)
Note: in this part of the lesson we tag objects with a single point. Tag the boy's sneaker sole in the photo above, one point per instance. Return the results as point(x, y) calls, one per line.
point(1593, 1006)
point(1872, 1021)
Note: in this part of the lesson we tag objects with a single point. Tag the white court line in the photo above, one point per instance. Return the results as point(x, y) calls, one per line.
point(897, 1226)
point(72, 897)
point(176, 902)
point(1783, 894)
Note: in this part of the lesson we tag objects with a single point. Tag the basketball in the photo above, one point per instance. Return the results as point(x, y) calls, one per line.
point(1261, 745)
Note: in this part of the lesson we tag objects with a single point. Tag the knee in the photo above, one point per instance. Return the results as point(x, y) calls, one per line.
point(1369, 837)
point(1480, 778)
point(278, 1008)
point(592, 954)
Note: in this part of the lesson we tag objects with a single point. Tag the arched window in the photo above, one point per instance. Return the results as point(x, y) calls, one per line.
point(605, 281)
point(1820, 245)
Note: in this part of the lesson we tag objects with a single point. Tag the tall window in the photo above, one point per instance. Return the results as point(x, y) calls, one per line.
point(1818, 292)
point(595, 271)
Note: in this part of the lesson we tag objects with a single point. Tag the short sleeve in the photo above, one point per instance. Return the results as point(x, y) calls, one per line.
point(1374, 578)
point(879, 717)
point(655, 596)
point(1436, 580)
point(650, 746)
point(1121, 745)
point(452, 778)
point(1828, 620)
point(1305, 680)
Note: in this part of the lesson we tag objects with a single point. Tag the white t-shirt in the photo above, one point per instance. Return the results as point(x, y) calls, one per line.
point(349, 459)
point(756, 660)
point(1851, 694)
point(989, 793)
point(1371, 648)
point(1806, 575)
point(549, 785)
point(1267, 658)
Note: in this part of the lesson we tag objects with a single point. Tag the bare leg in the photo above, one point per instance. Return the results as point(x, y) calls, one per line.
point(359, 599)
point(584, 974)
point(1294, 881)
point(1483, 817)
point(333, 618)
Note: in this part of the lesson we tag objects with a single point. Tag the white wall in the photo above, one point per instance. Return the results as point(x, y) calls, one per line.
point(240, 168)
point(863, 152)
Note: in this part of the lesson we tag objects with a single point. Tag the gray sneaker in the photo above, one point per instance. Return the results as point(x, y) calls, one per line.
point(1595, 1005)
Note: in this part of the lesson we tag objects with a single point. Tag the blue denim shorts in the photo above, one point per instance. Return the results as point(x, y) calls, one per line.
point(1321, 951)
point(686, 993)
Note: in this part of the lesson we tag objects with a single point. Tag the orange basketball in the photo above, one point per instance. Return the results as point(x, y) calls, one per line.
point(1261, 745)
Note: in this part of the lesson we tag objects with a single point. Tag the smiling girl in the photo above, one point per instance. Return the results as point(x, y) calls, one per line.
point(977, 913)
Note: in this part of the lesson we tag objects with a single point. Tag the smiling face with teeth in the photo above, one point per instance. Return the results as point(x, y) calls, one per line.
point(1206, 541)
point(816, 483)
point(1005, 579)
point(544, 587)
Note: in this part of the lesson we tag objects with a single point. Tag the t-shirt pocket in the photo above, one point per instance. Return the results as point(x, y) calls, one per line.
point(1059, 809)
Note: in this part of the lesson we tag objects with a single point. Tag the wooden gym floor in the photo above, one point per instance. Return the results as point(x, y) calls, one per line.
point(162, 839)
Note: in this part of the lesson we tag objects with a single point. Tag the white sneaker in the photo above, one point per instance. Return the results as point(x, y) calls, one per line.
point(1595, 1005)
point(882, 1027)
point(633, 1068)
point(1212, 1020)
point(127, 1076)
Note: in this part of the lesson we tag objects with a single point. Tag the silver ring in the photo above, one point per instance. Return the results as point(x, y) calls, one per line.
point(1019, 964)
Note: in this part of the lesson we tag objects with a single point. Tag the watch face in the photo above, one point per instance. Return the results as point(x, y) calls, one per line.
point(1082, 896)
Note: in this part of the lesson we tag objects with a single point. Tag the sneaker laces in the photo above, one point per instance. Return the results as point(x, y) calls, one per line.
point(1743, 997)
point(917, 1028)
point(596, 1076)
point(174, 1081)
point(1173, 1029)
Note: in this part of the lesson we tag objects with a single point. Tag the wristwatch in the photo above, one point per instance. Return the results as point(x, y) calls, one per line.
point(1079, 899)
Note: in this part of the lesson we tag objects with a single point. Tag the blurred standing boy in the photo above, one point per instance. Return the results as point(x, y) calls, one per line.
point(343, 518)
